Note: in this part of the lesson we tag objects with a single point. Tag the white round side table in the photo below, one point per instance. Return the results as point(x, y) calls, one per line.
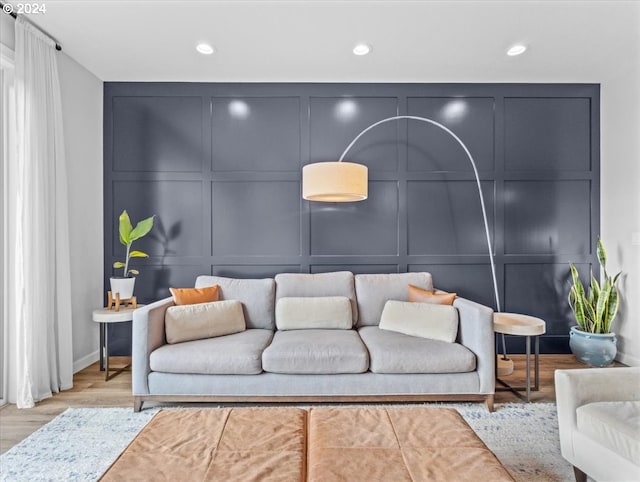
point(527, 326)
point(105, 317)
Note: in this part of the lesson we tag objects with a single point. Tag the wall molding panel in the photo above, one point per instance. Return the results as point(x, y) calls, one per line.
point(220, 166)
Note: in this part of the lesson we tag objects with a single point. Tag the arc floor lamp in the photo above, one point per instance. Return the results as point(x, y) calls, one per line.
point(341, 181)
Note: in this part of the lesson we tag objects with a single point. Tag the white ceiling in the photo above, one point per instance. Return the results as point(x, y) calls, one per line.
point(311, 41)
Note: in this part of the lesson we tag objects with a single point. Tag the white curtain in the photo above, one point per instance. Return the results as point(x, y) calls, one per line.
point(7, 149)
point(41, 359)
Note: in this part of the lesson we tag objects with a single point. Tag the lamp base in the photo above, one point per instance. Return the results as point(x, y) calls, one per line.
point(504, 367)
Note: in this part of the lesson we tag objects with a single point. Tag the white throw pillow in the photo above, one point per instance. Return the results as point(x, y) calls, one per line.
point(327, 312)
point(426, 320)
point(203, 320)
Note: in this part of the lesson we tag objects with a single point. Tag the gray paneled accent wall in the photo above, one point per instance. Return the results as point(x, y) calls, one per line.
point(220, 166)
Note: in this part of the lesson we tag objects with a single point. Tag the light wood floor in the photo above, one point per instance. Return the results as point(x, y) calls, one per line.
point(91, 390)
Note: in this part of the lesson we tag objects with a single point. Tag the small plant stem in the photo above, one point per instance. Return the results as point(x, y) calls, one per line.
point(126, 261)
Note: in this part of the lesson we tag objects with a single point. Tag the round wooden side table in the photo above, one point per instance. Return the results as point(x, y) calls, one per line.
point(527, 326)
point(105, 317)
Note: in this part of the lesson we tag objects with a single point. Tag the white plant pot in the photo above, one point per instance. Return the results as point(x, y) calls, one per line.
point(122, 286)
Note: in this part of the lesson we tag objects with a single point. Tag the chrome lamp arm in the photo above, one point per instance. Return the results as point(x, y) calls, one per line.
point(333, 196)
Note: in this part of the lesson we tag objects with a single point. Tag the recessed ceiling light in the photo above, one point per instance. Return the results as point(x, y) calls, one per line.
point(361, 49)
point(516, 49)
point(204, 49)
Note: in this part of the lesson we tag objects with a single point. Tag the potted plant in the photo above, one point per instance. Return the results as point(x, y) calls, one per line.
point(592, 341)
point(128, 234)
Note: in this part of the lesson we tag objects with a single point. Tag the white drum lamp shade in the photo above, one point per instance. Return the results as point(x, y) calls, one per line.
point(337, 182)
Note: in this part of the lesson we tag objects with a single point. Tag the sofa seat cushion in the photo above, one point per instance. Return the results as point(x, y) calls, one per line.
point(236, 354)
point(391, 352)
point(316, 352)
point(615, 425)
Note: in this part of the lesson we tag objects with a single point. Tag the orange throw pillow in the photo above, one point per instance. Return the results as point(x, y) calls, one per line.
point(418, 295)
point(192, 296)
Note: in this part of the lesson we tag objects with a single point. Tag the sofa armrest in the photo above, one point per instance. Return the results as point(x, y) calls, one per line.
point(476, 333)
point(578, 387)
point(147, 335)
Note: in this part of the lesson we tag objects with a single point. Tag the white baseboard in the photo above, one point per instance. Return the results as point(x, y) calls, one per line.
point(629, 360)
point(85, 361)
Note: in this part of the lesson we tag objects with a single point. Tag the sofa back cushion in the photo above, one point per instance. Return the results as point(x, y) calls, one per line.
point(302, 285)
point(316, 312)
point(374, 290)
point(256, 295)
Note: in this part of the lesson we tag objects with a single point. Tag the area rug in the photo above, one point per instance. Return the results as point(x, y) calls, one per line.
point(82, 443)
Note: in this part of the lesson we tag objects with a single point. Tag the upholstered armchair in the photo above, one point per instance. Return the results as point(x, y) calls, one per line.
point(599, 421)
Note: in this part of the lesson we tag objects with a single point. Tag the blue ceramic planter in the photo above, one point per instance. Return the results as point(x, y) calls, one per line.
point(595, 349)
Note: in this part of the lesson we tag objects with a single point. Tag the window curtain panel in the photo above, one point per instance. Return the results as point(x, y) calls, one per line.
point(41, 328)
point(7, 151)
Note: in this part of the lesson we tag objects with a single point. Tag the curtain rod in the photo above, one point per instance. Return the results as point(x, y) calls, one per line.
point(10, 10)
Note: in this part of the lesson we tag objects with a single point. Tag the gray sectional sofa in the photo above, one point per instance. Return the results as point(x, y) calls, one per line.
point(263, 364)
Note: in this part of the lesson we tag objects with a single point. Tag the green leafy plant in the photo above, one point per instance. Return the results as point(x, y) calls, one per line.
point(129, 234)
point(595, 311)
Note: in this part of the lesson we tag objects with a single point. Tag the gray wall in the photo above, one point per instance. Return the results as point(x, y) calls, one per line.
point(82, 116)
point(220, 166)
point(620, 192)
